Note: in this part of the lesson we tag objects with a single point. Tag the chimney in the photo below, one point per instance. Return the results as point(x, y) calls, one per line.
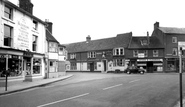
point(148, 38)
point(156, 25)
point(49, 25)
point(26, 5)
point(88, 39)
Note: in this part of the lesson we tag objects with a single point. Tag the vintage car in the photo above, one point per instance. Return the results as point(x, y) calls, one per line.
point(134, 69)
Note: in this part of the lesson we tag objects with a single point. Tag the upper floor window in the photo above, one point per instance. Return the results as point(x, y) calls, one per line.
point(34, 43)
point(174, 39)
point(155, 53)
point(73, 56)
point(135, 53)
point(174, 51)
point(8, 35)
point(145, 53)
point(35, 25)
point(91, 54)
point(118, 51)
point(144, 42)
point(53, 47)
point(8, 12)
point(61, 50)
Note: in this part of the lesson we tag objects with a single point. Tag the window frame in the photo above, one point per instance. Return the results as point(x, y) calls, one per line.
point(10, 13)
point(10, 37)
point(35, 25)
point(155, 53)
point(118, 51)
point(73, 56)
point(174, 39)
point(135, 53)
point(35, 44)
point(53, 47)
point(91, 54)
point(174, 50)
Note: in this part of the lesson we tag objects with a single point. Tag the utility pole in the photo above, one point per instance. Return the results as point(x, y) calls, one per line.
point(180, 76)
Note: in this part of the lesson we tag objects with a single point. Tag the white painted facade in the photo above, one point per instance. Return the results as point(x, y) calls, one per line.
point(22, 36)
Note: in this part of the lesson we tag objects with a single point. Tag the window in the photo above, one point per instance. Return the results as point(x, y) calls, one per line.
point(118, 62)
point(7, 35)
point(174, 51)
point(118, 51)
point(53, 66)
point(145, 53)
point(35, 25)
point(73, 66)
point(144, 42)
point(174, 39)
point(155, 53)
point(94, 64)
point(135, 53)
point(61, 51)
point(37, 66)
point(53, 47)
point(91, 54)
point(8, 12)
point(34, 43)
point(73, 56)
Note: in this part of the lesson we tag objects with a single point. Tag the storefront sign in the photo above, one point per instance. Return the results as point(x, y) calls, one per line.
point(28, 54)
point(23, 34)
point(141, 55)
point(155, 60)
point(141, 60)
point(158, 64)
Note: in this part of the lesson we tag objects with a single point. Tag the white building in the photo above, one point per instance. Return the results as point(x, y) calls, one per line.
point(22, 42)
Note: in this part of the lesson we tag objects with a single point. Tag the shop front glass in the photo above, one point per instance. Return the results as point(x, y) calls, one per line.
point(36, 66)
point(2, 65)
point(171, 65)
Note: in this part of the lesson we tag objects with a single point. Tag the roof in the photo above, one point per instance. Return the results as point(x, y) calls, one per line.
point(50, 37)
point(23, 11)
point(121, 40)
point(154, 42)
point(172, 30)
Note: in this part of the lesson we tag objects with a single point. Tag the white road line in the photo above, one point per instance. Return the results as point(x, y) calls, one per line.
point(70, 98)
point(134, 80)
point(112, 86)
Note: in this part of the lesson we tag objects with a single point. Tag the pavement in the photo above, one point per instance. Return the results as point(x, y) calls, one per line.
point(28, 85)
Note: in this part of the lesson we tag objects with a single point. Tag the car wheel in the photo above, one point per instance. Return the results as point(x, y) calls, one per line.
point(128, 72)
point(141, 72)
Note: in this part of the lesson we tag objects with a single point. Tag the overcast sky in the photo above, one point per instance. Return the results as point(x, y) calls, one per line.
point(74, 20)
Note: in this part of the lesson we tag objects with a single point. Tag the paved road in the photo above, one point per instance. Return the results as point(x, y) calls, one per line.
point(101, 90)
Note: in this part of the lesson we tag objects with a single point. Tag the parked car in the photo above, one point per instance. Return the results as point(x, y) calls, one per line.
point(135, 69)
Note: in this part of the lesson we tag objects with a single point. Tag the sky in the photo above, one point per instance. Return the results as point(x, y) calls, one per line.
point(74, 20)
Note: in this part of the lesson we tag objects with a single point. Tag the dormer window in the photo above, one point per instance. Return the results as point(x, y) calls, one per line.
point(35, 25)
point(118, 51)
point(144, 42)
point(174, 39)
point(8, 12)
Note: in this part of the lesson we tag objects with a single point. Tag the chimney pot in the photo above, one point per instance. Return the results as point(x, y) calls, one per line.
point(88, 39)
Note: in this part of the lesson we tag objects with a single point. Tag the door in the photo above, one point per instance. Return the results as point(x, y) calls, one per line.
point(150, 66)
point(105, 65)
point(91, 67)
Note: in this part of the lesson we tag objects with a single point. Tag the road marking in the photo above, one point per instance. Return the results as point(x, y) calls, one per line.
point(134, 80)
point(70, 98)
point(112, 86)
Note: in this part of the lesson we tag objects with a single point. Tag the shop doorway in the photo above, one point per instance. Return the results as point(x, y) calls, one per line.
point(150, 67)
point(104, 65)
point(27, 66)
point(91, 67)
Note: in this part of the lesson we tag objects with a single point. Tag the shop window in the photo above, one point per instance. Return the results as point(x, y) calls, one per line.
point(135, 53)
point(118, 51)
point(118, 62)
point(8, 12)
point(34, 43)
point(95, 66)
point(2, 65)
point(91, 54)
point(174, 39)
point(171, 65)
point(145, 53)
point(7, 35)
point(174, 51)
point(155, 53)
point(36, 66)
point(53, 66)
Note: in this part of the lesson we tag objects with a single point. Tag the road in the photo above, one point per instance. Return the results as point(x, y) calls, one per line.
point(101, 90)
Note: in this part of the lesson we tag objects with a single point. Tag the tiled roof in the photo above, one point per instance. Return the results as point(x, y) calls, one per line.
point(154, 42)
point(121, 40)
point(172, 30)
point(50, 37)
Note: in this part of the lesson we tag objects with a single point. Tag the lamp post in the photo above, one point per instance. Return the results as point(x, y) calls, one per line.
point(180, 76)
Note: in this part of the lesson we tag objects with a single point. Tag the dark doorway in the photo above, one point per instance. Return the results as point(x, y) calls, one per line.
point(150, 67)
point(91, 67)
point(105, 65)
